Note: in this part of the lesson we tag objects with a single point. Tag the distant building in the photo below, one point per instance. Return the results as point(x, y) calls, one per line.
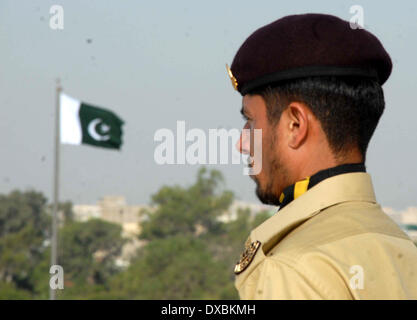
point(85, 212)
point(254, 208)
point(113, 209)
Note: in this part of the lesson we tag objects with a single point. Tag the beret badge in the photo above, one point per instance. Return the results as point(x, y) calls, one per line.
point(232, 77)
point(247, 256)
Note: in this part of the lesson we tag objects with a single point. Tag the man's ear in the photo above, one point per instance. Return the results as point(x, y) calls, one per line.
point(297, 122)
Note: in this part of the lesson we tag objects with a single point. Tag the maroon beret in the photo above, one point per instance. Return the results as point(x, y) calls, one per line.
point(306, 45)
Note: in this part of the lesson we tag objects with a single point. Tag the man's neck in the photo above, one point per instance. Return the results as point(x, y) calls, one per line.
point(314, 165)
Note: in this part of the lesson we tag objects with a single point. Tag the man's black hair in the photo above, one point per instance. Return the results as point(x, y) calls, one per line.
point(348, 108)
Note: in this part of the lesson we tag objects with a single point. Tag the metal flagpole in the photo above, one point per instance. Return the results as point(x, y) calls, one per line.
point(54, 241)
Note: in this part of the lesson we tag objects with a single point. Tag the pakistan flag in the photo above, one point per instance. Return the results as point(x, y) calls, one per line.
point(87, 124)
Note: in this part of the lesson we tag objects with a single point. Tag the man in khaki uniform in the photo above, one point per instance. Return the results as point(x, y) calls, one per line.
point(312, 84)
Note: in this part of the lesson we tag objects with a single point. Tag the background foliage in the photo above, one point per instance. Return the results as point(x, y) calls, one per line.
point(188, 252)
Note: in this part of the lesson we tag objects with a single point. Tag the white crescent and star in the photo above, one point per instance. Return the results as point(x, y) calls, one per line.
point(93, 132)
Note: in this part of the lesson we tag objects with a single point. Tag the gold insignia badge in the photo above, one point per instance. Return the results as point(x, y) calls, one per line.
point(232, 77)
point(247, 256)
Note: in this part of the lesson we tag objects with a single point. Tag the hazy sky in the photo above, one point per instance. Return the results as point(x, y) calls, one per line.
point(157, 62)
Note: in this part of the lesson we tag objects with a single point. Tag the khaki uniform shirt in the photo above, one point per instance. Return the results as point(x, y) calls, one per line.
point(332, 242)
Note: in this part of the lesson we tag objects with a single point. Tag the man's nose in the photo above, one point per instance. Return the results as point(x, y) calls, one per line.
point(243, 144)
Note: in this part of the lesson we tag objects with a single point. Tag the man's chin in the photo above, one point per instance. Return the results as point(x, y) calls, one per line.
point(266, 197)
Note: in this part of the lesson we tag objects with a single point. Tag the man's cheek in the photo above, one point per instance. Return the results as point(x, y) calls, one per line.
point(257, 150)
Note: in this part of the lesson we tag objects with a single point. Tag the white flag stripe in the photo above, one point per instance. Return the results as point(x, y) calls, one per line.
point(70, 124)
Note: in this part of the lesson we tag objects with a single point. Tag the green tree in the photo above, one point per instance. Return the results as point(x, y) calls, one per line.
point(8, 291)
point(188, 253)
point(177, 268)
point(183, 210)
point(178, 261)
point(23, 230)
point(87, 253)
point(66, 208)
point(21, 209)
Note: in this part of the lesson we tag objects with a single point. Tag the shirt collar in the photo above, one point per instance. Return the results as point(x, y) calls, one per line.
point(294, 191)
